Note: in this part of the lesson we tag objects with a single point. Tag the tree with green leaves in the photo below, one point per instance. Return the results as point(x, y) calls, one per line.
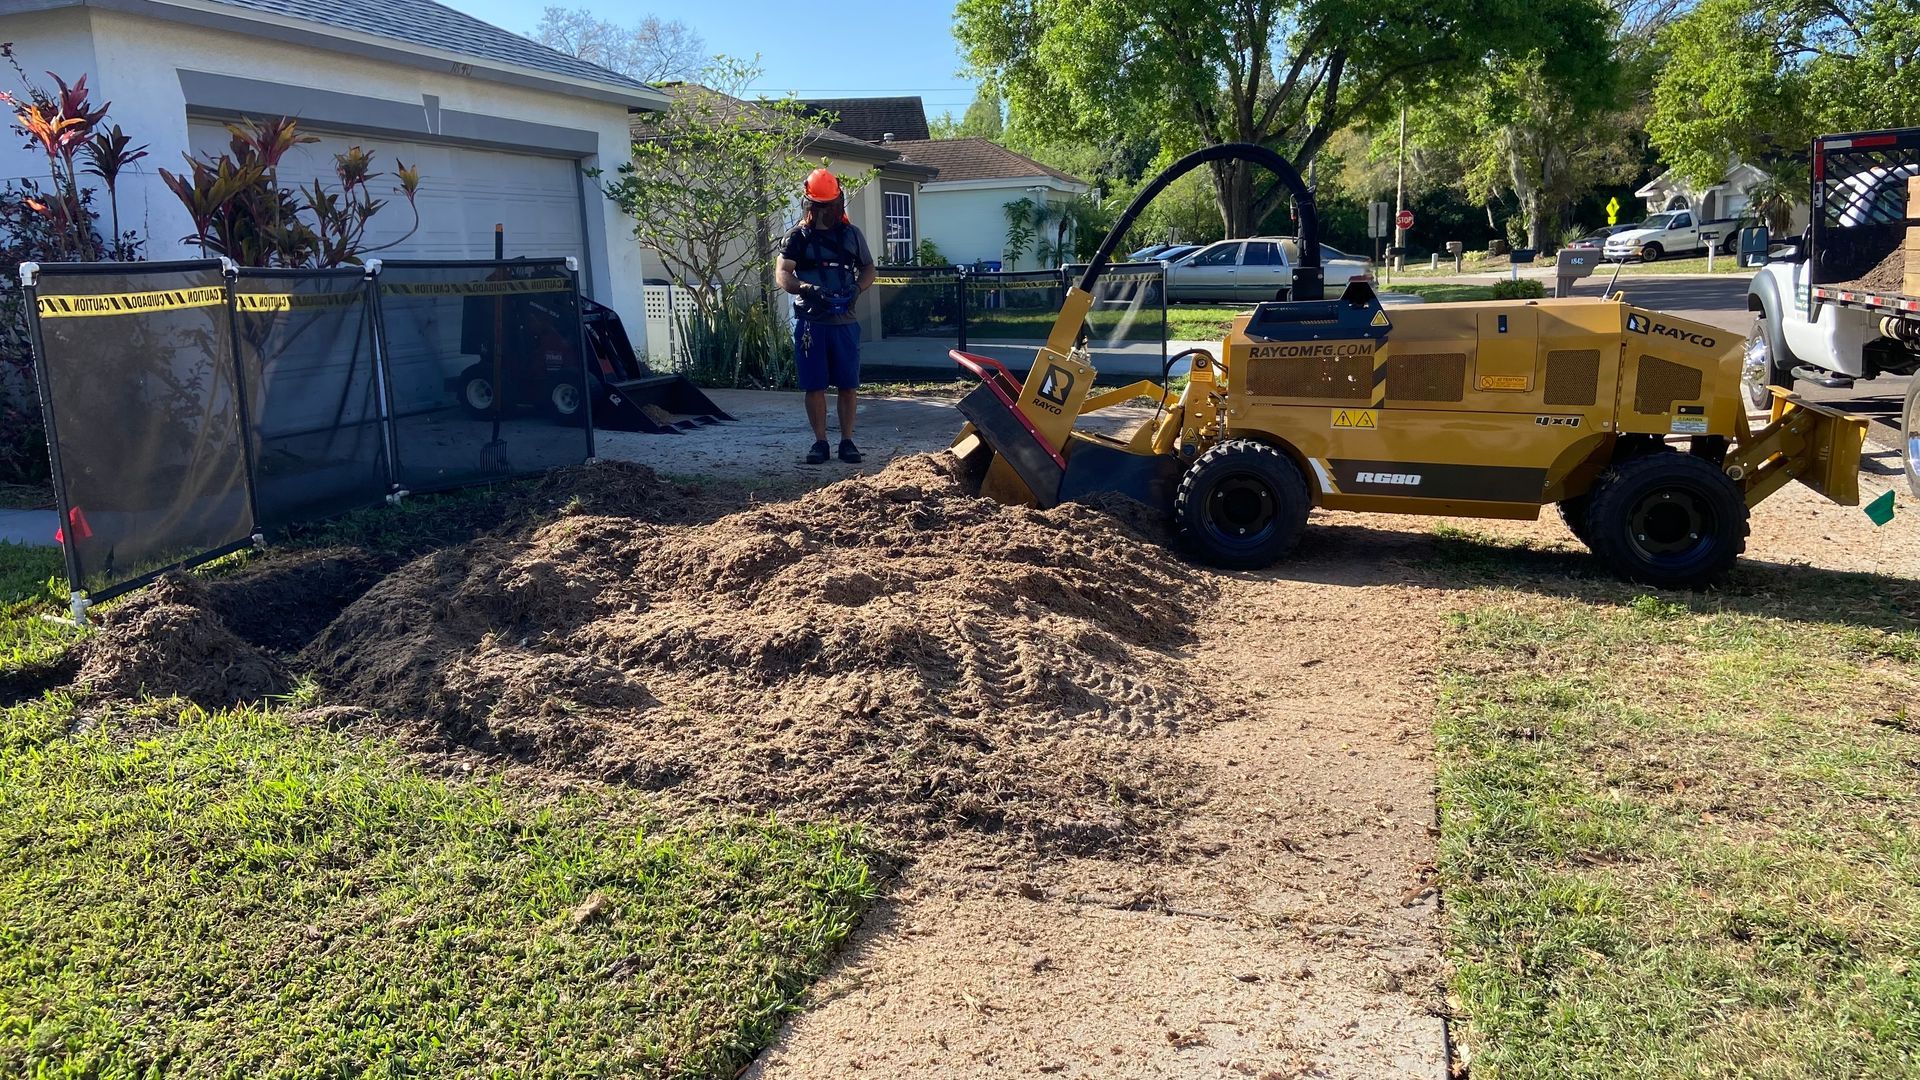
point(982, 120)
point(1757, 79)
point(1285, 74)
point(711, 178)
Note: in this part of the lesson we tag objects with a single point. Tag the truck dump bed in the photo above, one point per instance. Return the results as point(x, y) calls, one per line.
point(1858, 242)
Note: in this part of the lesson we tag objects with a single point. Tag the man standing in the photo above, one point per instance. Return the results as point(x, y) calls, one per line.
point(825, 265)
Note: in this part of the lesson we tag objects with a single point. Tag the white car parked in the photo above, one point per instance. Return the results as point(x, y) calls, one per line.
point(1254, 269)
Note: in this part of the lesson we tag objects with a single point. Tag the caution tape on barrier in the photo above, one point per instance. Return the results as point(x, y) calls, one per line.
point(477, 288)
point(80, 307)
point(930, 279)
point(255, 303)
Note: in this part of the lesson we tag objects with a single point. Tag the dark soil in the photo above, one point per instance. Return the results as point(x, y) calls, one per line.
point(166, 641)
point(1886, 279)
point(283, 601)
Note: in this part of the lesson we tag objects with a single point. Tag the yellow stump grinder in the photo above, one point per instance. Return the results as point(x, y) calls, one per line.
point(1632, 421)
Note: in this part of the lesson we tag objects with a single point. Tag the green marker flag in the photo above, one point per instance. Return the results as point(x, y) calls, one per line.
point(1880, 510)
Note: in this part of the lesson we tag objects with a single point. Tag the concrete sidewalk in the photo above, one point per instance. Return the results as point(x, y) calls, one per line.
point(33, 528)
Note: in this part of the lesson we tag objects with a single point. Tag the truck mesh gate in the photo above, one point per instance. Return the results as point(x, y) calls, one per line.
point(319, 438)
point(144, 418)
point(486, 370)
point(186, 413)
point(1859, 202)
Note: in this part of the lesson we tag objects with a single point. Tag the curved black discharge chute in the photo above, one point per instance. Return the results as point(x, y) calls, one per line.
point(1307, 278)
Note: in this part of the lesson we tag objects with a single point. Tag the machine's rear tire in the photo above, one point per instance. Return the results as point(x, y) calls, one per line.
point(1910, 435)
point(1669, 520)
point(1241, 506)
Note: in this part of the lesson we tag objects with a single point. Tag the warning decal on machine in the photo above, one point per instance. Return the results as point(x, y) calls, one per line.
point(76, 307)
point(1367, 419)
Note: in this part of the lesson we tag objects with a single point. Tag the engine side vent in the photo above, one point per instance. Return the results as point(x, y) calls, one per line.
point(1661, 383)
point(1573, 377)
point(1426, 376)
point(1341, 378)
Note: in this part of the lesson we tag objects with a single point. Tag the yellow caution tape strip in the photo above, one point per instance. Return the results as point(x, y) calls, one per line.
point(478, 288)
point(252, 303)
point(80, 307)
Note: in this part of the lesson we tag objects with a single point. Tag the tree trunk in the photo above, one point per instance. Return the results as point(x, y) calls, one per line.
point(1233, 189)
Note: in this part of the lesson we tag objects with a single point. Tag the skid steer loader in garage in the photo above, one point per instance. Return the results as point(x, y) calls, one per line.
point(1491, 409)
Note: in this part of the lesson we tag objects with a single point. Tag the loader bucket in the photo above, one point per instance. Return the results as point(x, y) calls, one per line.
point(630, 396)
point(1814, 444)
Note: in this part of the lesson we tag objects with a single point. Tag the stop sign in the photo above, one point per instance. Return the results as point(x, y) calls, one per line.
point(1404, 219)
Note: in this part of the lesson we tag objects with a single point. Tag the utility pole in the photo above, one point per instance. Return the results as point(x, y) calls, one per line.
point(1400, 193)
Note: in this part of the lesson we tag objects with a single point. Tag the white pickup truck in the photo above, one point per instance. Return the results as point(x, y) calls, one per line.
point(1822, 312)
point(1676, 232)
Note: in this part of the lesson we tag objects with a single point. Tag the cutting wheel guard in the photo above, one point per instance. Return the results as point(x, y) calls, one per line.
point(995, 377)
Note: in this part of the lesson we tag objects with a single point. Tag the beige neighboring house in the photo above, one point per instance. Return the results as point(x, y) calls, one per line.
point(884, 207)
point(963, 209)
point(1727, 197)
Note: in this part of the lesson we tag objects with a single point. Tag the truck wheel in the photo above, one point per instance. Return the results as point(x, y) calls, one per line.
point(1652, 253)
point(1910, 434)
point(1668, 520)
point(477, 391)
point(1762, 364)
point(1731, 245)
point(1241, 506)
point(565, 401)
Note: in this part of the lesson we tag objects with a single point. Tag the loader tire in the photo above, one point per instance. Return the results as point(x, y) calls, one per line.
point(1668, 520)
point(1241, 506)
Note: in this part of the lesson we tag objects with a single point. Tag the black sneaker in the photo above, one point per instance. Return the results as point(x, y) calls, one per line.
point(849, 453)
point(819, 454)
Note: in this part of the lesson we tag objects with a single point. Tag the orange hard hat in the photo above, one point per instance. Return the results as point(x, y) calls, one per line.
point(822, 186)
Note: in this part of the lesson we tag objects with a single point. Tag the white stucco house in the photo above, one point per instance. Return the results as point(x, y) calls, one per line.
point(1725, 198)
point(963, 208)
point(502, 129)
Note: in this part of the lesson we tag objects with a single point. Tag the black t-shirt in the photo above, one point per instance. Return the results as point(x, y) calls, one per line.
point(831, 259)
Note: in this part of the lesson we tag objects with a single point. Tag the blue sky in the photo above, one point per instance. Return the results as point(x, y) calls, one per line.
point(841, 48)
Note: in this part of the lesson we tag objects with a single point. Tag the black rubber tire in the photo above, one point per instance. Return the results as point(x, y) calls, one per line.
point(1730, 245)
point(1241, 506)
point(1652, 253)
point(1910, 435)
point(1669, 520)
point(566, 402)
point(477, 374)
point(1573, 512)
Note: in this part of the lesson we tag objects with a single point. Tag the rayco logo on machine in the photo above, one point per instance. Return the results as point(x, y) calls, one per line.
point(1311, 352)
point(1055, 389)
point(1400, 479)
point(1641, 325)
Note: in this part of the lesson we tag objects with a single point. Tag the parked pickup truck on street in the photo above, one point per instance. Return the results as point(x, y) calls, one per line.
point(1675, 232)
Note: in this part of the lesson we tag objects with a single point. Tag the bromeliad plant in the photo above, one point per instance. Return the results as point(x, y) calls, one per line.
point(240, 209)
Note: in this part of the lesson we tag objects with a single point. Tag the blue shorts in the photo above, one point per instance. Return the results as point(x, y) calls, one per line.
point(826, 353)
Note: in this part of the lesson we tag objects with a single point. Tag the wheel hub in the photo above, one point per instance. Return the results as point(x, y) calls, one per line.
point(1755, 367)
point(480, 393)
point(1669, 523)
point(1241, 508)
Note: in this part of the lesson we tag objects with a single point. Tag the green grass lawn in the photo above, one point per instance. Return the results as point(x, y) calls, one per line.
point(1444, 294)
point(1184, 322)
point(25, 497)
point(1683, 838)
point(1722, 264)
point(252, 894)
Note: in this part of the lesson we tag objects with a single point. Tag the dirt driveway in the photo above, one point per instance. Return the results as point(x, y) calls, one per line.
point(1288, 926)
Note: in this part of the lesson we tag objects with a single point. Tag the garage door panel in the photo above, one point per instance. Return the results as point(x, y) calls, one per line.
point(464, 191)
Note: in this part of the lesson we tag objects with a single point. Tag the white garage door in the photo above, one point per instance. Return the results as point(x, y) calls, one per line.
point(463, 192)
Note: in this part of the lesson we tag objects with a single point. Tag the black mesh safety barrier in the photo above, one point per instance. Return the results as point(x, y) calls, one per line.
point(918, 301)
point(1016, 305)
point(485, 368)
point(146, 425)
point(307, 353)
point(1129, 307)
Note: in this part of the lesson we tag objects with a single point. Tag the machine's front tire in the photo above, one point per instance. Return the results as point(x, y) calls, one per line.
point(477, 391)
point(1669, 520)
point(1910, 434)
point(1574, 513)
point(1241, 506)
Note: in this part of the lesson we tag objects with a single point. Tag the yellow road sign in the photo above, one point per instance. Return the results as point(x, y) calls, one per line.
point(1613, 211)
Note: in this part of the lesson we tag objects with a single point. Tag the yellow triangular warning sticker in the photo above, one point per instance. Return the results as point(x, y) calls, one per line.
point(1364, 420)
point(1379, 318)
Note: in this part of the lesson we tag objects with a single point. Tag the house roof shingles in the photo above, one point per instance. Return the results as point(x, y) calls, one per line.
point(873, 119)
point(976, 159)
point(434, 25)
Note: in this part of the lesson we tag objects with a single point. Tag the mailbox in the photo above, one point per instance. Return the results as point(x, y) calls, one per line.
point(1523, 256)
point(1754, 242)
point(1457, 252)
point(1572, 264)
